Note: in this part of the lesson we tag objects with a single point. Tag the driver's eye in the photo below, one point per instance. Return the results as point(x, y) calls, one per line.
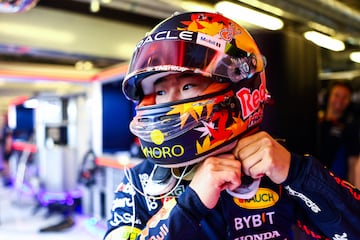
point(160, 93)
point(188, 86)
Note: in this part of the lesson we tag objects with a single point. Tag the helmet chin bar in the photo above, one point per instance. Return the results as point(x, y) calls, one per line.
point(247, 189)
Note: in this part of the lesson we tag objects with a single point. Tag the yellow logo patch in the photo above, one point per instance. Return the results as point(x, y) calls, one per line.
point(157, 137)
point(263, 198)
point(124, 232)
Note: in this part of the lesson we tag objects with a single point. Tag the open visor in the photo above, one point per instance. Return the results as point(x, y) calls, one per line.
point(178, 51)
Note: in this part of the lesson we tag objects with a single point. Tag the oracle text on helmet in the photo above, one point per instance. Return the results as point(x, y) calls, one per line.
point(166, 35)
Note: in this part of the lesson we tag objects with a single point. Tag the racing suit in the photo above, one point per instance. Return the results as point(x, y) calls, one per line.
point(319, 203)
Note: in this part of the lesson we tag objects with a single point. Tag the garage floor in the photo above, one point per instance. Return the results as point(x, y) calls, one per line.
point(19, 219)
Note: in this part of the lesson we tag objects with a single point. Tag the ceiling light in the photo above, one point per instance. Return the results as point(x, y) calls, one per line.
point(324, 41)
point(94, 6)
point(84, 65)
point(240, 13)
point(355, 57)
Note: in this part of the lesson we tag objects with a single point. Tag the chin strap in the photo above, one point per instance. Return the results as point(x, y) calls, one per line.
point(164, 180)
point(160, 181)
point(247, 189)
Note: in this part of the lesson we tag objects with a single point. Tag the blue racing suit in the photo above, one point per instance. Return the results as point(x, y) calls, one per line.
point(319, 203)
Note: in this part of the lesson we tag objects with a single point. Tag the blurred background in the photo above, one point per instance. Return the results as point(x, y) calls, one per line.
point(61, 67)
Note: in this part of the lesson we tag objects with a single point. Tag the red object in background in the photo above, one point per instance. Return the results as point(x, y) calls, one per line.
point(22, 146)
point(107, 162)
point(18, 100)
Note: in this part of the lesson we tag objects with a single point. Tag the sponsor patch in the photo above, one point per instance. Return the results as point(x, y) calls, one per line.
point(211, 42)
point(263, 198)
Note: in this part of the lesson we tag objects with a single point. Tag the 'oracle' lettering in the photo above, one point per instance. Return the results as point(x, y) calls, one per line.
point(166, 35)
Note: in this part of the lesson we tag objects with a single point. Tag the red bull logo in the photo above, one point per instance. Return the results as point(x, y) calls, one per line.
point(250, 101)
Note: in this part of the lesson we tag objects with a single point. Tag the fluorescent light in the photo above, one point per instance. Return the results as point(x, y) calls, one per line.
point(94, 6)
point(355, 57)
point(84, 65)
point(324, 41)
point(237, 12)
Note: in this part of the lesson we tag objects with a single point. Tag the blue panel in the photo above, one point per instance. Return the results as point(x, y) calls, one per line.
point(117, 114)
point(24, 123)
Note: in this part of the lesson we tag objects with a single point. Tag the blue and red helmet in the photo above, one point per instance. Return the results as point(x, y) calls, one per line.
point(184, 132)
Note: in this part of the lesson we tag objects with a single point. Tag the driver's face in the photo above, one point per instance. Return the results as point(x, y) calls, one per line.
point(178, 87)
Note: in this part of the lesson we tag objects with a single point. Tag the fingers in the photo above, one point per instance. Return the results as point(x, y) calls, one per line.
point(250, 151)
point(214, 175)
point(244, 143)
point(224, 162)
point(226, 170)
point(261, 155)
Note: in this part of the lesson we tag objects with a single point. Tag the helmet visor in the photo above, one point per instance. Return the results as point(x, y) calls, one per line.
point(179, 51)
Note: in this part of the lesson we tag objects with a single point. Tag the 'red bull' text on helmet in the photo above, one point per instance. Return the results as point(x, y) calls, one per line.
point(184, 132)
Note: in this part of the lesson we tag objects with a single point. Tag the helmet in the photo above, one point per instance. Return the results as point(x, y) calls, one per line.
point(184, 132)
